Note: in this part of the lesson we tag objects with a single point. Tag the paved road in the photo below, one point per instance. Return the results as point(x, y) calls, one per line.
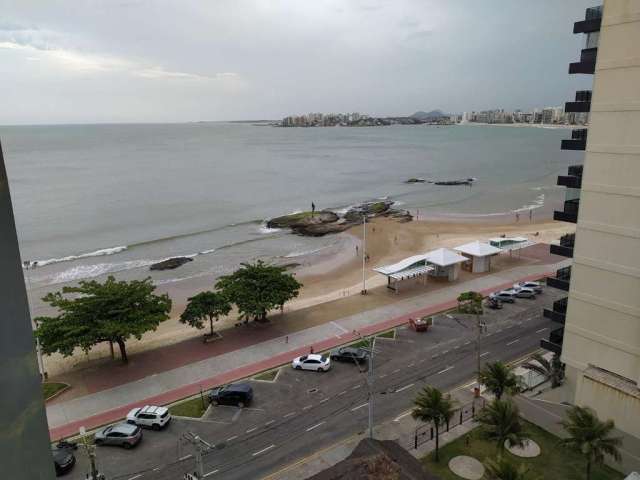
point(304, 412)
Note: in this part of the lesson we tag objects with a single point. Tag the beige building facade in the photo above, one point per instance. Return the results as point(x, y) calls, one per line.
point(601, 347)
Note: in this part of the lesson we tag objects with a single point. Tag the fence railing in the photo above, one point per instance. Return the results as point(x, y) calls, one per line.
point(425, 433)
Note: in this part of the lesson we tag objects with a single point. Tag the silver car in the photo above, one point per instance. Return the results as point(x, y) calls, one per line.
point(122, 434)
point(524, 292)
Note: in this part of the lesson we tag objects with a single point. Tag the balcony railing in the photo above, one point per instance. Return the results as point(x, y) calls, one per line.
point(582, 102)
point(557, 335)
point(573, 179)
point(578, 140)
point(576, 170)
point(570, 212)
point(561, 280)
point(565, 248)
point(587, 63)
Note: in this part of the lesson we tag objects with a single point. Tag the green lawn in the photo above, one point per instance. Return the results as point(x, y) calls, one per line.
point(268, 376)
point(189, 408)
point(554, 462)
point(365, 342)
point(49, 389)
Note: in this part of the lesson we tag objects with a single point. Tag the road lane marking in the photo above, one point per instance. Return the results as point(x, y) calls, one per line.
point(467, 343)
point(135, 476)
point(513, 341)
point(541, 330)
point(289, 414)
point(252, 429)
point(445, 370)
point(340, 327)
point(508, 326)
point(230, 439)
point(314, 427)
point(488, 334)
point(355, 387)
point(485, 353)
point(263, 450)
point(445, 352)
point(359, 406)
point(434, 356)
point(499, 330)
point(342, 393)
point(307, 407)
point(325, 399)
point(181, 458)
point(400, 417)
point(404, 388)
point(210, 473)
point(456, 347)
point(396, 370)
point(269, 423)
point(383, 375)
point(411, 365)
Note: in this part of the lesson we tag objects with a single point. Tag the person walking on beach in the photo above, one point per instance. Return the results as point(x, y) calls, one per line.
point(313, 209)
point(531, 215)
point(356, 250)
point(517, 217)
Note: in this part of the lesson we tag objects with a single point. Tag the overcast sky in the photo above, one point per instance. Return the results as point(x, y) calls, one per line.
point(80, 61)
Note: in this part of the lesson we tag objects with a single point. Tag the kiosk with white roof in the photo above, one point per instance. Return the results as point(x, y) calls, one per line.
point(411, 267)
point(479, 255)
point(445, 263)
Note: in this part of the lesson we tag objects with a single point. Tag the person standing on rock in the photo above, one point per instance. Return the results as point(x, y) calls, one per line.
point(313, 208)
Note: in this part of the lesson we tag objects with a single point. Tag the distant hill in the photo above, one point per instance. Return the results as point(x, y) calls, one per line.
point(428, 115)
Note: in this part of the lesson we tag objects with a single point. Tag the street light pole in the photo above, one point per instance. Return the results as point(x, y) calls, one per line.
point(370, 383)
point(364, 252)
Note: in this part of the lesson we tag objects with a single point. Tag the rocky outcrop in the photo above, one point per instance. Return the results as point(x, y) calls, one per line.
point(170, 263)
point(326, 222)
point(415, 180)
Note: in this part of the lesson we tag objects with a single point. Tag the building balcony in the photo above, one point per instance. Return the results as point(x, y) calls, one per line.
point(552, 347)
point(558, 312)
point(562, 279)
point(591, 22)
point(578, 140)
point(573, 179)
point(582, 102)
point(587, 63)
point(554, 344)
point(570, 212)
point(565, 248)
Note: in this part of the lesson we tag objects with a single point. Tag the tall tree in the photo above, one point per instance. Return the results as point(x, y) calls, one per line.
point(95, 312)
point(257, 288)
point(499, 379)
point(500, 422)
point(205, 306)
point(590, 436)
point(503, 469)
point(551, 370)
point(432, 406)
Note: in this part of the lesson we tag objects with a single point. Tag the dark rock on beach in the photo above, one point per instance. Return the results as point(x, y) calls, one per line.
point(415, 180)
point(170, 263)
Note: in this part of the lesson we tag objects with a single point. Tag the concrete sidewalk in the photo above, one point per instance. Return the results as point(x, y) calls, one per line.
point(109, 405)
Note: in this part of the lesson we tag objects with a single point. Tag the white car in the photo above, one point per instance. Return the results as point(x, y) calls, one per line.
point(149, 416)
point(313, 361)
point(535, 286)
point(508, 296)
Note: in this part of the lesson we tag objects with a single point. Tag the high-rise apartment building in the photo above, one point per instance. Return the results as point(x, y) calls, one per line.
point(600, 342)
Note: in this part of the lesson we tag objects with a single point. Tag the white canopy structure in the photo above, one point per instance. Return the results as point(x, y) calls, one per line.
point(479, 255)
point(446, 263)
point(410, 267)
point(510, 243)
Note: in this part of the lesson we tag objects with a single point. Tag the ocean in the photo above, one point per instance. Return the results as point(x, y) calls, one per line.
point(93, 200)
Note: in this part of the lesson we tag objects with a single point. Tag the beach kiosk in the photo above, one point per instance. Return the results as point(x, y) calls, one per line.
point(411, 267)
point(510, 244)
point(445, 263)
point(478, 254)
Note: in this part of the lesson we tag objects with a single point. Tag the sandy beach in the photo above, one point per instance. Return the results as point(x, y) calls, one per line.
point(334, 273)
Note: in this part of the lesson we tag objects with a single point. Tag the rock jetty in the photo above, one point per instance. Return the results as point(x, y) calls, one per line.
point(326, 221)
point(170, 263)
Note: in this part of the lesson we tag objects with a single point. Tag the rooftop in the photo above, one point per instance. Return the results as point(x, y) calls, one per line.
point(443, 257)
point(478, 249)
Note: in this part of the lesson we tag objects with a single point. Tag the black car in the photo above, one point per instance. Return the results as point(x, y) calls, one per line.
point(63, 459)
point(350, 354)
point(237, 394)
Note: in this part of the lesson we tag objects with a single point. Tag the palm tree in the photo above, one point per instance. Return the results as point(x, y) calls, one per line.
point(432, 406)
point(551, 370)
point(590, 436)
point(499, 378)
point(501, 422)
point(503, 469)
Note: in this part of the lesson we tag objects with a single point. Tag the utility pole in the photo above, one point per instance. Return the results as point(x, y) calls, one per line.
point(370, 384)
point(200, 446)
point(364, 252)
point(480, 326)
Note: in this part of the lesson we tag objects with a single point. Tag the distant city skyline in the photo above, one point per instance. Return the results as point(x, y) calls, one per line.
point(264, 59)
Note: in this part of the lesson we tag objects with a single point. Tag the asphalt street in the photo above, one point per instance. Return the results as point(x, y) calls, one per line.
point(303, 412)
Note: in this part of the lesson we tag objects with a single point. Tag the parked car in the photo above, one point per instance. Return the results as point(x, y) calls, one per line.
point(535, 286)
point(63, 460)
point(524, 292)
point(122, 434)
point(420, 324)
point(236, 394)
point(350, 354)
point(504, 296)
point(313, 361)
point(494, 303)
point(149, 416)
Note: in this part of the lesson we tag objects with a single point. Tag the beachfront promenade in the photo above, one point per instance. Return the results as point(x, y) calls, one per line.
point(170, 383)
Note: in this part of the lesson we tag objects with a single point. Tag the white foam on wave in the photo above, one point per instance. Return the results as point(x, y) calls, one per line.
point(207, 252)
point(538, 203)
point(266, 230)
point(69, 258)
point(80, 272)
point(302, 253)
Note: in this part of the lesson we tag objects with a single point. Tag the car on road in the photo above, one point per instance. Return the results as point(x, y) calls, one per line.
point(63, 460)
point(524, 292)
point(350, 354)
point(421, 324)
point(535, 286)
point(122, 434)
point(504, 296)
point(149, 416)
point(235, 394)
point(313, 361)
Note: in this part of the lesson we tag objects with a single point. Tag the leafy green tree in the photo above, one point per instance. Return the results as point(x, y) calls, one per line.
point(432, 406)
point(470, 302)
point(590, 436)
point(500, 422)
point(503, 469)
point(95, 312)
point(551, 370)
point(205, 306)
point(499, 379)
point(257, 288)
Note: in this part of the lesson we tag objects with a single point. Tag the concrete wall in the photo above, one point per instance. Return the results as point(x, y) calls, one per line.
point(603, 314)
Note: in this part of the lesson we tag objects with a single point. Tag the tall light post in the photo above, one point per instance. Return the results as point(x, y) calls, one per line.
point(364, 252)
point(370, 378)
